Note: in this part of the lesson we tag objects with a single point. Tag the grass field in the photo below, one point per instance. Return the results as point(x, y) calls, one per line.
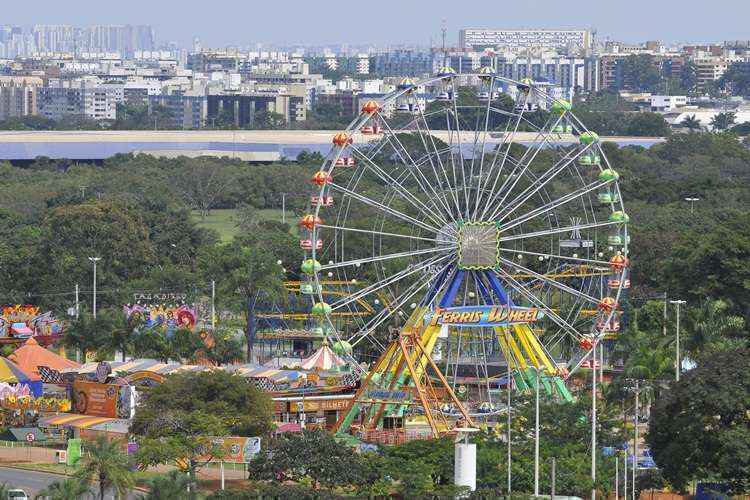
point(222, 220)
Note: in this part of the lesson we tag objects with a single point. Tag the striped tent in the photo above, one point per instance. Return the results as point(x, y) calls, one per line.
point(324, 359)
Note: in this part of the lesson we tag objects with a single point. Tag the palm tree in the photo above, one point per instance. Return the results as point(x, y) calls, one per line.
point(691, 123)
point(172, 486)
point(723, 120)
point(710, 327)
point(108, 465)
point(69, 489)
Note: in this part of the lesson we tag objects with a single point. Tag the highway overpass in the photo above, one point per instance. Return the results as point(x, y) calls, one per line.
point(250, 146)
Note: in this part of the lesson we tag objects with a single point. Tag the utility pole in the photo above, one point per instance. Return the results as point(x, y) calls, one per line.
point(78, 308)
point(94, 260)
point(593, 421)
point(536, 438)
point(283, 208)
point(664, 324)
point(213, 306)
point(552, 480)
point(635, 436)
point(508, 423)
point(625, 476)
point(617, 477)
point(677, 303)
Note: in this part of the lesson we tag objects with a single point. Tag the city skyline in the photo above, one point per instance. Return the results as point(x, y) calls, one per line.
point(393, 23)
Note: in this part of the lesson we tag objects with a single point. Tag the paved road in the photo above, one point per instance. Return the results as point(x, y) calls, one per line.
point(33, 482)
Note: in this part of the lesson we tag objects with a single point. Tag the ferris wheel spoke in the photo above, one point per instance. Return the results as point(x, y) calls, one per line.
point(391, 256)
point(514, 176)
point(558, 230)
point(514, 284)
point(484, 144)
point(369, 201)
point(438, 157)
point(506, 144)
point(546, 256)
point(423, 182)
point(549, 281)
point(460, 148)
point(537, 185)
point(394, 306)
point(379, 233)
point(404, 273)
point(399, 188)
point(546, 208)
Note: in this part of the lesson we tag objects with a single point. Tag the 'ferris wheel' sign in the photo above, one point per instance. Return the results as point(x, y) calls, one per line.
point(483, 316)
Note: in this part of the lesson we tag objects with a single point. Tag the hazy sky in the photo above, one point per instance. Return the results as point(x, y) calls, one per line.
point(381, 22)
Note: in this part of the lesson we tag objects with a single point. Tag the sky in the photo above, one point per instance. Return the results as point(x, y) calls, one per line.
point(220, 23)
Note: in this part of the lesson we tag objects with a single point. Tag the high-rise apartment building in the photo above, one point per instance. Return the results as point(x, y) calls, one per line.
point(18, 96)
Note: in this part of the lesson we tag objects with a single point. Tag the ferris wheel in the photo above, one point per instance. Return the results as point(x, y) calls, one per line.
point(479, 212)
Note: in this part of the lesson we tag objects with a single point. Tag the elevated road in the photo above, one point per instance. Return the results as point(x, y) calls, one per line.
point(245, 145)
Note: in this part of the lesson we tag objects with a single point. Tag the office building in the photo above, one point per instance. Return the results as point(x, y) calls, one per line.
point(479, 39)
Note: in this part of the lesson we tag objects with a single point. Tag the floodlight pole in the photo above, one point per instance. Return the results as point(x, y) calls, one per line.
point(677, 303)
point(94, 260)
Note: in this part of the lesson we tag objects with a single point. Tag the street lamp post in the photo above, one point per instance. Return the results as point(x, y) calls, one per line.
point(677, 303)
point(692, 201)
point(94, 260)
point(536, 437)
point(508, 386)
point(593, 421)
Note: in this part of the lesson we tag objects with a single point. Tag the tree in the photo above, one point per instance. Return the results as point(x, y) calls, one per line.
point(201, 181)
point(170, 486)
point(648, 124)
point(724, 120)
point(699, 429)
point(104, 334)
point(68, 489)
point(248, 265)
point(737, 78)
point(179, 419)
point(310, 455)
point(641, 72)
point(690, 122)
point(712, 327)
point(106, 464)
point(69, 235)
point(718, 255)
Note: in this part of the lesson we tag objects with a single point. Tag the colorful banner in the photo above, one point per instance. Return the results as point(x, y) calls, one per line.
point(483, 316)
point(234, 449)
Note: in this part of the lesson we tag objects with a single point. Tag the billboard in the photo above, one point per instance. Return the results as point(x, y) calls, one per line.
point(103, 400)
point(234, 449)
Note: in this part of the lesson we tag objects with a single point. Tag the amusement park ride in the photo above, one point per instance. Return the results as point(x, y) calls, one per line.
point(478, 245)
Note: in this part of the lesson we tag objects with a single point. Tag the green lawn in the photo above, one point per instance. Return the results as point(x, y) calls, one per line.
point(222, 220)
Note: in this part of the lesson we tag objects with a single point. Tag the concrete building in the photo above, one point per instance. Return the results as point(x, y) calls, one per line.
point(187, 111)
point(667, 103)
point(479, 38)
point(83, 98)
point(567, 73)
point(242, 109)
point(405, 62)
point(18, 96)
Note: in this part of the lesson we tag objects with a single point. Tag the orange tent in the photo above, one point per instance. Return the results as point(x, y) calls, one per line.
point(30, 356)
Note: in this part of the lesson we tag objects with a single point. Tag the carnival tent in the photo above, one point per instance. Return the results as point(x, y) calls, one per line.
point(323, 359)
point(12, 374)
point(30, 356)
